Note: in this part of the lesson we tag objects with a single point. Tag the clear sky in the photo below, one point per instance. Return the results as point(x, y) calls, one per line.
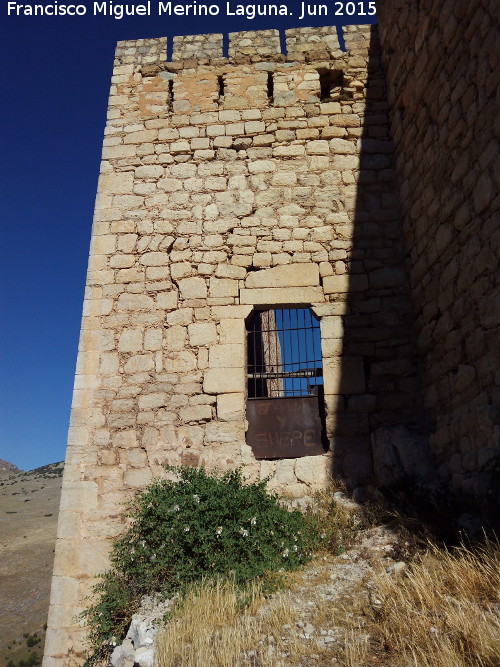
point(54, 75)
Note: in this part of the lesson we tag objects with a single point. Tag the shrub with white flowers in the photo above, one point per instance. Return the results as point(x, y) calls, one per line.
point(199, 525)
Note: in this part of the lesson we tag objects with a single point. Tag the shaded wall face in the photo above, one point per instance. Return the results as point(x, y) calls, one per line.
point(443, 73)
point(227, 185)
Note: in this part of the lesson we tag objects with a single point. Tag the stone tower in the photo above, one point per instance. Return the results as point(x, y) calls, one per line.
point(259, 182)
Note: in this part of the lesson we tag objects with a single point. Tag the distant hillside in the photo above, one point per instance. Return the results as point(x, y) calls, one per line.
point(29, 504)
point(5, 465)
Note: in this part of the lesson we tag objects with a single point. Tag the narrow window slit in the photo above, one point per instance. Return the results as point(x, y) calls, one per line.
point(270, 86)
point(171, 94)
point(332, 85)
point(220, 82)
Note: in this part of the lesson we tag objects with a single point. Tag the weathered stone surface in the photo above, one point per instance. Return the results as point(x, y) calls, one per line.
point(281, 295)
point(290, 275)
point(399, 454)
point(231, 407)
point(224, 380)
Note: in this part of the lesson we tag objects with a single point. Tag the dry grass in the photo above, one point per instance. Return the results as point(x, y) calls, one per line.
point(444, 611)
point(209, 627)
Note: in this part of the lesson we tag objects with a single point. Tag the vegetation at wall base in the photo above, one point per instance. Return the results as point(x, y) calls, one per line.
point(183, 530)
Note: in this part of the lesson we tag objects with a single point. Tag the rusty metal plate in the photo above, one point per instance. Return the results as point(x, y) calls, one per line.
point(283, 428)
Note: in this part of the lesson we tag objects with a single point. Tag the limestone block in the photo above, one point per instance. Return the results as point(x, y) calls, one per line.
point(175, 338)
point(69, 525)
point(330, 108)
point(182, 361)
point(227, 355)
point(231, 432)
point(202, 334)
point(230, 312)
point(103, 245)
point(137, 477)
point(231, 407)
point(193, 288)
point(295, 150)
point(155, 259)
point(345, 283)
point(342, 147)
point(126, 438)
point(318, 147)
point(140, 137)
point(230, 271)
point(182, 316)
point(153, 400)
point(190, 436)
point(232, 331)
point(138, 363)
point(64, 588)
point(331, 327)
point(343, 375)
point(224, 380)
point(282, 295)
point(149, 171)
point(153, 339)
point(196, 413)
point(332, 347)
point(261, 166)
point(78, 496)
point(334, 308)
point(387, 277)
point(88, 557)
point(128, 301)
point(284, 474)
point(290, 275)
point(398, 453)
point(116, 183)
point(136, 458)
point(222, 287)
point(313, 470)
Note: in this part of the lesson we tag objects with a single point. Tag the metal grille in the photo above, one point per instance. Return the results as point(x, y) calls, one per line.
point(284, 353)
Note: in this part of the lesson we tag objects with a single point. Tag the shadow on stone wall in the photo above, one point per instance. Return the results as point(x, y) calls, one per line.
point(379, 430)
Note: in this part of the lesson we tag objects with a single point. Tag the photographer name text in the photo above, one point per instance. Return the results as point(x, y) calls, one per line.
point(250, 11)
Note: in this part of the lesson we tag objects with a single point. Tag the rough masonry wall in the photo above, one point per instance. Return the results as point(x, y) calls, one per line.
point(443, 72)
point(228, 184)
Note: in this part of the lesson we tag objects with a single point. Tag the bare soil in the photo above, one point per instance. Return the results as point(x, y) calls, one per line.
point(29, 505)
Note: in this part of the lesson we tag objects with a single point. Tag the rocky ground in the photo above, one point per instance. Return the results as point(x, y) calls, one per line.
point(29, 504)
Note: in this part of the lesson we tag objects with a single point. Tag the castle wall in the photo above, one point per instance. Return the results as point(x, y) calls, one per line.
point(227, 184)
point(443, 74)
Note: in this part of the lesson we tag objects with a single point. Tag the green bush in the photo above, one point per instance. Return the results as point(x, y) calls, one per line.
point(199, 525)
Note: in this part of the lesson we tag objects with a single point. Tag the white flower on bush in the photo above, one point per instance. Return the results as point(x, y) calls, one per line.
point(175, 508)
point(295, 547)
point(244, 532)
point(285, 553)
point(253, 521)
point(218, 530)
point(186, 529)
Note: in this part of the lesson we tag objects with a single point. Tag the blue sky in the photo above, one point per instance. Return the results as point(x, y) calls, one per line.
point(54, 76)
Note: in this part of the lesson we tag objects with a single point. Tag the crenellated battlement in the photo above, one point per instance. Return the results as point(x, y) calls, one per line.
point(253, 46)
point(254, 73)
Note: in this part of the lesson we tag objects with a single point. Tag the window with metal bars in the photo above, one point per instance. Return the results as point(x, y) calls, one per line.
point(284, 353)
